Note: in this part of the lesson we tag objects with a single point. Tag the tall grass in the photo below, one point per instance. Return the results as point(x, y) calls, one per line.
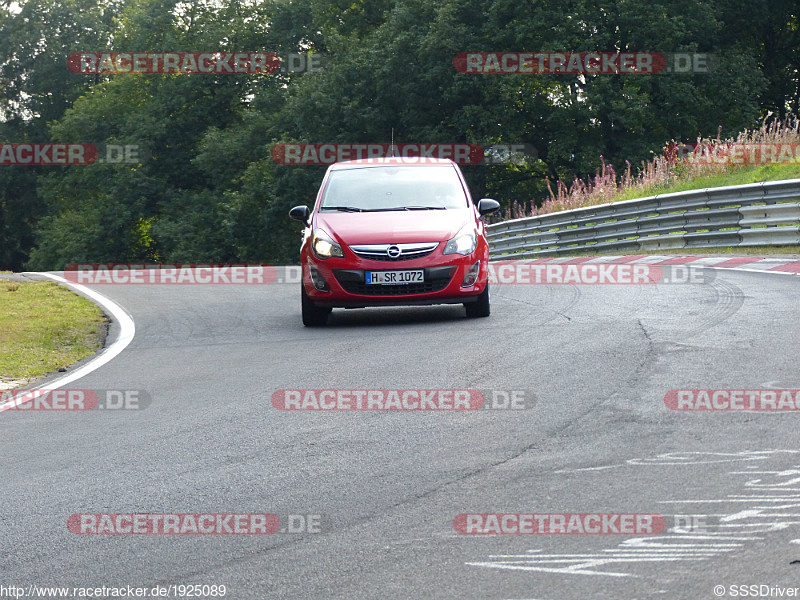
point(662, 171)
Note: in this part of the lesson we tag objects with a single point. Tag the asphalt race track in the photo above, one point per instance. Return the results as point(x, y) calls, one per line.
point(595, 363)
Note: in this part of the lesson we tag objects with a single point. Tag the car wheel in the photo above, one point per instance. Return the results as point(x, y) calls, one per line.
point(313, 315)
point(481, 307)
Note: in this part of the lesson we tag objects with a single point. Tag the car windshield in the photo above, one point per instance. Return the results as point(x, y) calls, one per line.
point(384, 188)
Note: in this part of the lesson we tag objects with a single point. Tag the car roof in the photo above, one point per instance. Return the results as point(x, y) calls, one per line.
point(394, 161)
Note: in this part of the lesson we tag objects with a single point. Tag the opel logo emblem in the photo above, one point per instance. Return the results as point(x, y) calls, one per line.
point(393, 251)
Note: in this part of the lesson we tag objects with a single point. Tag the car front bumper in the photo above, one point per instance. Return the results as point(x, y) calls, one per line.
point(345, 281)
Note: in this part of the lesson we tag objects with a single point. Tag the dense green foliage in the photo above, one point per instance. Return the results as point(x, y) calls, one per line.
point(206, 188)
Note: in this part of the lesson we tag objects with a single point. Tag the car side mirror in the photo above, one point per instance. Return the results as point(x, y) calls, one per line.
point(487, 206)
point(301, 213)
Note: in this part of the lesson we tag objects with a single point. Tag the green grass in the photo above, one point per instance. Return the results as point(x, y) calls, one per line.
point(738, 175)
point(45, 327)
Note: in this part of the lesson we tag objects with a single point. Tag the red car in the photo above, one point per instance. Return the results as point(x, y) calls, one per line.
point(393, 231)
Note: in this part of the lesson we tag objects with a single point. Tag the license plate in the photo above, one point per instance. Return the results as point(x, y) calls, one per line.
point(394, 277)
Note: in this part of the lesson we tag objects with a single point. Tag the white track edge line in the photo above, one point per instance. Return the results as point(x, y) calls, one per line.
point(125, 337)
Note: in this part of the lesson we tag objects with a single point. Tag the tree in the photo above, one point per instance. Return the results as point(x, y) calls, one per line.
point(206, 188)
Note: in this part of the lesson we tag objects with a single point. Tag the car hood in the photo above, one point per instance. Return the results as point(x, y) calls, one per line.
point(395, 227)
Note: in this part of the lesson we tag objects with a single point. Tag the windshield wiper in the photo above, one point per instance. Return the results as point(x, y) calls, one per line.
point(404, 208)
point(343, 208)
point(356, 209)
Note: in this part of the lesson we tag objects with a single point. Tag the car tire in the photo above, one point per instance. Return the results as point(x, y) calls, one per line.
point(480, 308)
point(313, 315)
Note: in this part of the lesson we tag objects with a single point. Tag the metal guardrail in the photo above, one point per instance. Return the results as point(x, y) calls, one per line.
point(757, 214)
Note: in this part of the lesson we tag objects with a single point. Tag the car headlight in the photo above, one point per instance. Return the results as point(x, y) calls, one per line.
point(324, 247)
point(464, 242)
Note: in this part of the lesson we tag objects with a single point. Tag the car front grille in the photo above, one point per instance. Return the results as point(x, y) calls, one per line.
point(406, 251)
point(436, 279)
